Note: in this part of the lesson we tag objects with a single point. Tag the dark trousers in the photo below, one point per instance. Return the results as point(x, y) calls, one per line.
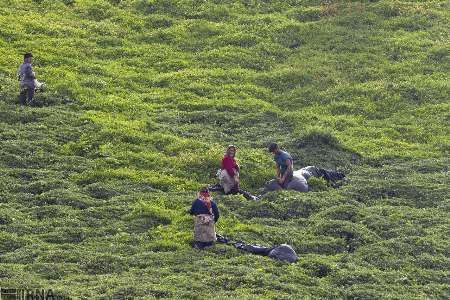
point(288, 179)
point(218, 188)
point(201, 245)
point(26, 95)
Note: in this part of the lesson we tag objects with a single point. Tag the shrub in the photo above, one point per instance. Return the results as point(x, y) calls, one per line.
point(101, 191)
point(146, 215)
point(343, 212)
point(62, 235)
point(64, 197)
point(317, 184)
point(103, 264)
point(10, 242)
point(439, 53)
point(96, 11)
point(158, 21)
point(284, 80)
point(52, 271)
point(306, 14)
point(355, 235)
point(290, 35)
point(316, 266)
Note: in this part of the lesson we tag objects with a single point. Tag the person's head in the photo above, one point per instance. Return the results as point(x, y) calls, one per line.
point(231, 150)
point(28, 57)
point(204, 193)
point(273, 148)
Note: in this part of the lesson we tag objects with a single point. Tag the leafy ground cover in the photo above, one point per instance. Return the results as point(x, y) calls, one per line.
point(142, 98)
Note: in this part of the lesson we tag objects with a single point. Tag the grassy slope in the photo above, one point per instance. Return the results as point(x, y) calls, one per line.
point(144, 95)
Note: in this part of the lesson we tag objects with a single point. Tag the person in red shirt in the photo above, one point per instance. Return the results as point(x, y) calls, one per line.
point(228, 174)
point(229, 171)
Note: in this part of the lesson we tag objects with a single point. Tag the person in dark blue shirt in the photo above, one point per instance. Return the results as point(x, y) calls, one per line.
point(206, 215)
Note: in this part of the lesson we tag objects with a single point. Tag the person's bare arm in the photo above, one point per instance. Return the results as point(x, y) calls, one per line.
point(279, 174)
point(289, 170)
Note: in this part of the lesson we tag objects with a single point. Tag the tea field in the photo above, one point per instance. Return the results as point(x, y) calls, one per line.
point(143, 96)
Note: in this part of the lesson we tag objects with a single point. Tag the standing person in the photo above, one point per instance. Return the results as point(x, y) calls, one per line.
point(206, 215)
point(229, 171)
point(26, 79)
point(284, 164)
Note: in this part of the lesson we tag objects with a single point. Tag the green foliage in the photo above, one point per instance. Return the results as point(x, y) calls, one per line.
point(10, 242)
point(143, 96)
point(317, 184)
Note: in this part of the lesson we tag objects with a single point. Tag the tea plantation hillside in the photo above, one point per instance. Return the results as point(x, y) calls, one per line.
point(143, 96)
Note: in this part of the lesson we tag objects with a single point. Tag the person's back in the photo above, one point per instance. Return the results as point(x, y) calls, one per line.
point(26, 80)
point(280, 158)
point(25, 73)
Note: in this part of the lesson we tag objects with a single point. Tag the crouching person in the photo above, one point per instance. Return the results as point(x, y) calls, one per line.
point(206, 215)
point(229, 175)
point(289, 179)
point(229, 171)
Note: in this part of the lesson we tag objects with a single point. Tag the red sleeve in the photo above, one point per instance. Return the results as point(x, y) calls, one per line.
point(228, 164)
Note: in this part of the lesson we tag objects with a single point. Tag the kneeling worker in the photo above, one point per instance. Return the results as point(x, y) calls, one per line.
point(284, 164)
point(206, 215)
point(229, 171)
point(296, 180)
point(228, 174)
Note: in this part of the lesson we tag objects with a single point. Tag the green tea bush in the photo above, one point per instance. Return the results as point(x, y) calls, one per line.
point(306, 14)
point(239, 39)
point(62, 235)
point(316, 266)
point(354, 235)
point(103, 264)
point(143, 97)
point(146, 216)
point(440, 53)
point(158, 21)
point(64, 197)
point(286, 79)
point(355, 276)
point(52, 271)
point(389, 9)
point(233, 57)
point(95, 11)
point(413, 21)
point(343, 212)
point(50, 211)
point(324, 245)
point(101, 191)
point(317, 184)
point(10, 242)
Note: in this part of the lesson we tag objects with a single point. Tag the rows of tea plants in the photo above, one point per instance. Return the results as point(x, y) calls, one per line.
point(143, 96)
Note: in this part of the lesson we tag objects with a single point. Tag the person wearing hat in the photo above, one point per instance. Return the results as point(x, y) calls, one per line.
point(284, 164)
point(26, 79)
point(229, 171)
point(206, 215)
